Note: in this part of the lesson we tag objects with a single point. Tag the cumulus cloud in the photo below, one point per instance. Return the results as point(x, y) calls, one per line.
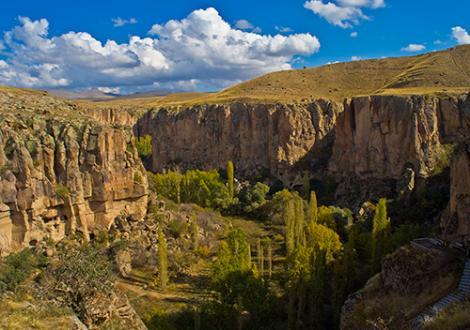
point(199, 50)
point(356, 58)
point(460, 35)
point(411, 48)
point(118, 21)
point(354, 34)
point(343, 13)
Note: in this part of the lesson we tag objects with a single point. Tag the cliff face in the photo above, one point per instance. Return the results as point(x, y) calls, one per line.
point(62, 171)
point(456, 218)
point(381, 136)
point(259, 138)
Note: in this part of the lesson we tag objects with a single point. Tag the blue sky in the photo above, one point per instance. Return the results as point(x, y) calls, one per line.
point(308, 34)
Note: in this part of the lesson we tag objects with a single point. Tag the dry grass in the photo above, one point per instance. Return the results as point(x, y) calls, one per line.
point(16, 315)
point(445, 72)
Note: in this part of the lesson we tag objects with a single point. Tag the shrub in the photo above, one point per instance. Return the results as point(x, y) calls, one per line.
point(253, 197)
point(16, 268)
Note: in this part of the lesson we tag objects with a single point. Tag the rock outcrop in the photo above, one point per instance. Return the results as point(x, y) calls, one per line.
point(456, 223)
point(62, 171)
point(258, 138)
point(381, 136)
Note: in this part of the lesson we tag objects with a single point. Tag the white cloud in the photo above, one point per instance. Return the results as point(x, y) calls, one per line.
point(109, 90)
point(243, 24)
point(344, 17)
point(460, 35)
point(118, 21)
point(284, 29)
point(356, 58)
point(354, 34)
point(343, 13)
point(413, 48)
point(199, 50)
point(362, 3)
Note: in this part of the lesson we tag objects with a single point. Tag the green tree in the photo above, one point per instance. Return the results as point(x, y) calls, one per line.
point(260, 256)
point(162, 260)
point(230, 179)
point(234, 255)
point(313, 207)
point(253, 197)
point(144, 146)
point(381, 230)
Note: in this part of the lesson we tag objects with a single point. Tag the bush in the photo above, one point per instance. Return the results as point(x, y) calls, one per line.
point(16, 268)
point(253, 197)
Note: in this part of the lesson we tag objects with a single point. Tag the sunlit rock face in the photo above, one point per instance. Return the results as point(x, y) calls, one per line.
point(259, 138)
point(62, 171)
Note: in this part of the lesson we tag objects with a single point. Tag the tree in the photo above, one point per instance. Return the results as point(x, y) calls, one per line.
point(162, 259)
point(234, 255)
point(269, 255)
point(144, 146)
point(260, 256)
point(230, 179)
point(194, 229)
point(253, 197)
point(289, 221)
point(313, 207)
point(381, 230)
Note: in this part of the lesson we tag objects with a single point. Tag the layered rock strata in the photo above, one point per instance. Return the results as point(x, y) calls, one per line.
point(259, 138)
point(62, 171)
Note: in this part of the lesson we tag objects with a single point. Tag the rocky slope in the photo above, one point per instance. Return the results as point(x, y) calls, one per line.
point(62, 171)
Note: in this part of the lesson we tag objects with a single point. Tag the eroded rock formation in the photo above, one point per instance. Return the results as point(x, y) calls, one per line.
point(259, 138)
point(382, 136)
point(456, 219)
point(62, 171)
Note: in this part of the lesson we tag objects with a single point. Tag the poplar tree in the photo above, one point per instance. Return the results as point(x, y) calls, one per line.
point(194, 228)
point(260, 256)
point(230, 179)
point(313, 207)
point(162, 259)
point(289, 221)
point(269, 256)
point(381, 230)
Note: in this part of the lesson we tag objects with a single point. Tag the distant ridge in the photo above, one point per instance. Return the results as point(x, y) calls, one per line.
point(446, 71)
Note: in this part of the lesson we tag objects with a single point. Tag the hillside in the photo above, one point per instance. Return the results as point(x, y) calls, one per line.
point(445, 71)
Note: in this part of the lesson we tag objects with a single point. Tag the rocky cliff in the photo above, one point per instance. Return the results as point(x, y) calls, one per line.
point(381, 136)
point(62, 171)
point(374, 146)
point(273, 139)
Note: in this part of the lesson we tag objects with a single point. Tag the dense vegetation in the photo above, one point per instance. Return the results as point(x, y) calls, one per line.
point(325, 252)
